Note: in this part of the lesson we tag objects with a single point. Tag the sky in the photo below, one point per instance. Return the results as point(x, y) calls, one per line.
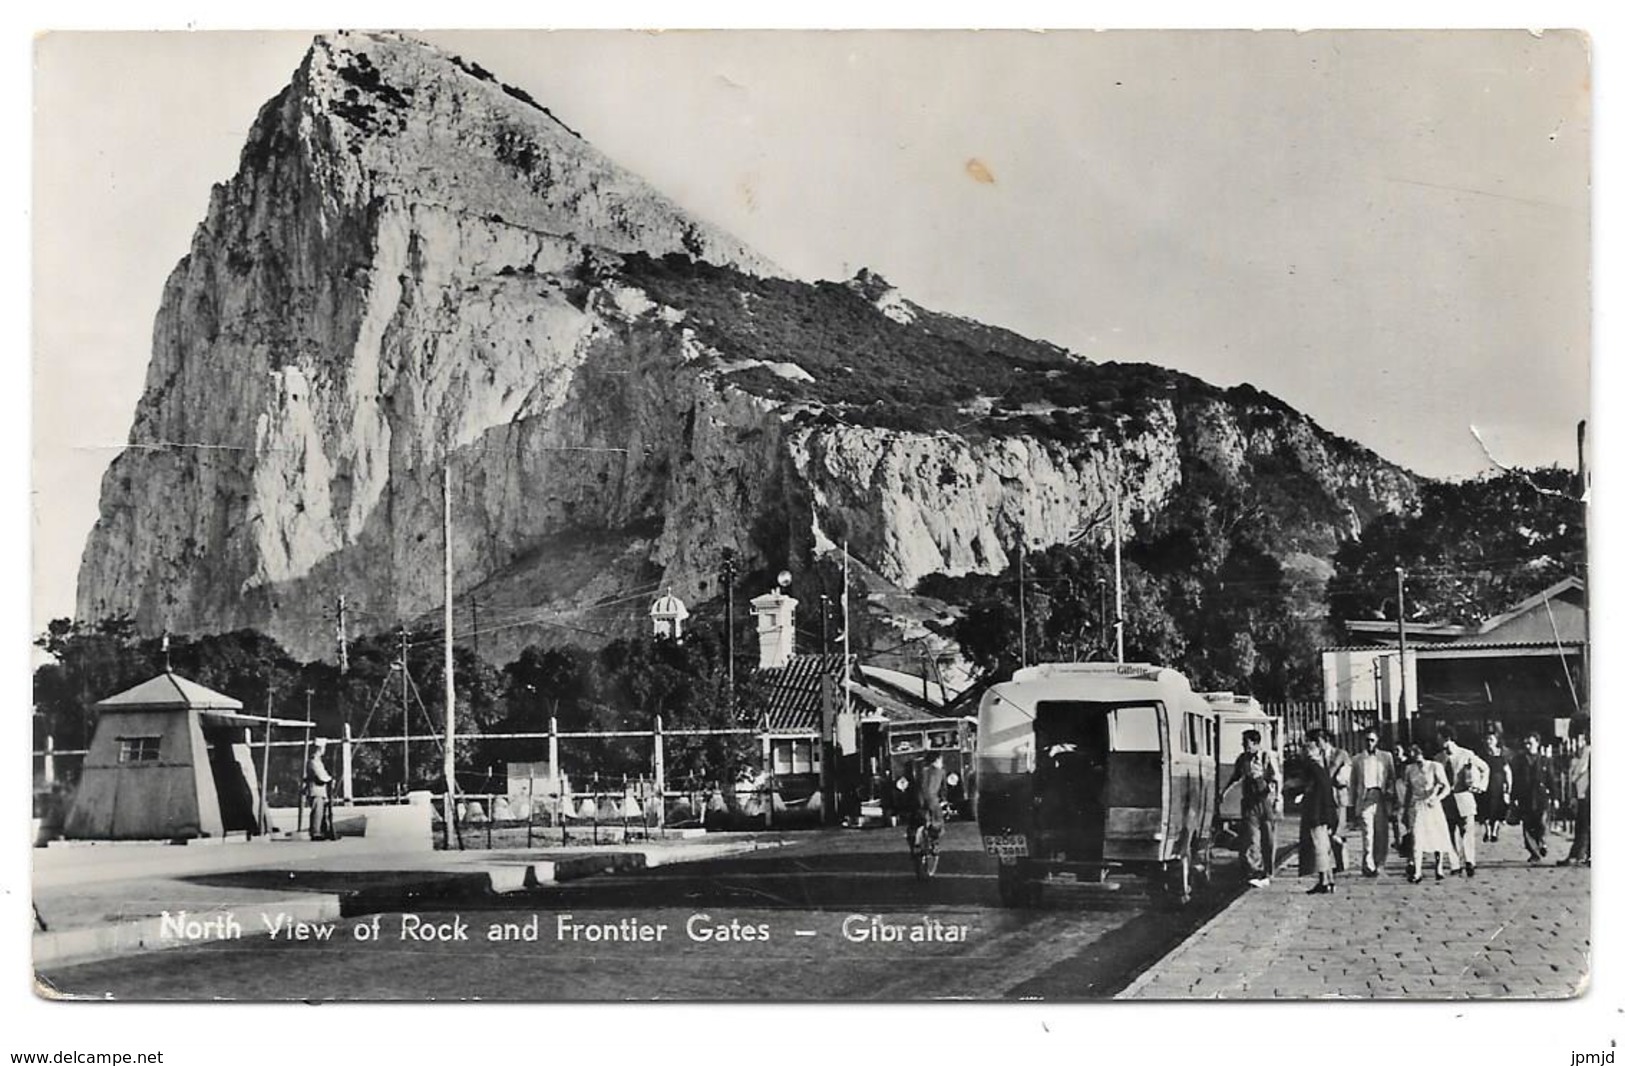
point(1386, 241)
point(1387, 230)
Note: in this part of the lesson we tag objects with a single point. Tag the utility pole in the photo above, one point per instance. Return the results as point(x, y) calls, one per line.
point(344, 671)
point(936, 672)
point(728, 620)
point(450, 767)
point(304, 761)
point(474, 694)
point(1117, 548)
point(1021, 589)
point(1404, 715)
point(846, 635)
point(406, 725)
point(344, 638)
point(1585, 572)
point(265, 769)
point(1105, 644)
point(823, 624)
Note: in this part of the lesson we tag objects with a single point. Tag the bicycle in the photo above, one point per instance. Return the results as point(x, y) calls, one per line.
point(923, 840)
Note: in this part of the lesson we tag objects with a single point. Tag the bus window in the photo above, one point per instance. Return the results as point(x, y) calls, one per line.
point(942, 739)
point(903, 743)
point(1134, 728)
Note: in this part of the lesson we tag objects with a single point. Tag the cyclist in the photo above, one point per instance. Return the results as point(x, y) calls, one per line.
point(926, 801)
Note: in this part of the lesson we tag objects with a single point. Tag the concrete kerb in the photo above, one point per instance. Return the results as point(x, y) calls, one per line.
point(90, 943)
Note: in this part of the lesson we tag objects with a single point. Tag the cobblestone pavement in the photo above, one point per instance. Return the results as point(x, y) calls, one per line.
point(1513, 931)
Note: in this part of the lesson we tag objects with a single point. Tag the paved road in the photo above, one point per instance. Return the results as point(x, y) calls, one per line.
point(837, 915)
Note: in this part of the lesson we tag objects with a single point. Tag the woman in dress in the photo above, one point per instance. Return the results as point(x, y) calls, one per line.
point(1320, 816)
point(1492, 805)
point(1422, 787)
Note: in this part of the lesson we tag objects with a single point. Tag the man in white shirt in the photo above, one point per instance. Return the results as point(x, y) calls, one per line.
point(1580, 788)
point(1468, 775)
point(1373, 788)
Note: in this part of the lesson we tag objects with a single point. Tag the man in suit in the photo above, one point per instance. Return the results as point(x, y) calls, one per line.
point(1580, 789)
point(1372, 785)
point(1341, 770)
point(1533, 782)
point(1469, 776)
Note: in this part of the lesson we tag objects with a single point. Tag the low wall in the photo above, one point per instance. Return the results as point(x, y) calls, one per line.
point(406, 824)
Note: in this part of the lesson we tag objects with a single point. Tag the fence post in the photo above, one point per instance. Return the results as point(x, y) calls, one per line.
point(346, 766)
point(660, 774)
point(553, 753)
point(767, 768)
point(48, 769)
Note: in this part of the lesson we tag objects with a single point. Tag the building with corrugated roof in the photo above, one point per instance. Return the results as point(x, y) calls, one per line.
point(805, 702)
point(1523, 669)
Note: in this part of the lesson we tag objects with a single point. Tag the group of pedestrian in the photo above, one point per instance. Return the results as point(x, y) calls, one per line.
point(1436, 808)
point(1537, 781)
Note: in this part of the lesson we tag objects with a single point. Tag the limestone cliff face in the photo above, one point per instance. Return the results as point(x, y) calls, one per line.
point(418, 268)
point(384, 285)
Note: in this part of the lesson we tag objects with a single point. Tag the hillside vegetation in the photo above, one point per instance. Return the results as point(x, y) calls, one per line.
point(936, 372)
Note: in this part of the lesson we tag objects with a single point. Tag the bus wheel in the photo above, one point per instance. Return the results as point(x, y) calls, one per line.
point(1014, 891)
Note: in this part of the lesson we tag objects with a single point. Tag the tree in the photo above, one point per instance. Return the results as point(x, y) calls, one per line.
point(543, 684)
point(1469, 549)
point(92, 662)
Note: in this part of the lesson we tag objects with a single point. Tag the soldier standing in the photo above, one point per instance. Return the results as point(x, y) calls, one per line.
point(317, 783)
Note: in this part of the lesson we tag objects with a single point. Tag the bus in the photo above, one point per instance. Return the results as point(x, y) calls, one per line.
point(905, 744)
point(1087, 772)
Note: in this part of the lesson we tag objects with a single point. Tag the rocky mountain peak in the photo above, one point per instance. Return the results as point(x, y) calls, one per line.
point(382, 117)
point(421, 275)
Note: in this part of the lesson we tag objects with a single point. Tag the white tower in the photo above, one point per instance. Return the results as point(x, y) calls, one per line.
point(775, 625)
point(668, 613)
